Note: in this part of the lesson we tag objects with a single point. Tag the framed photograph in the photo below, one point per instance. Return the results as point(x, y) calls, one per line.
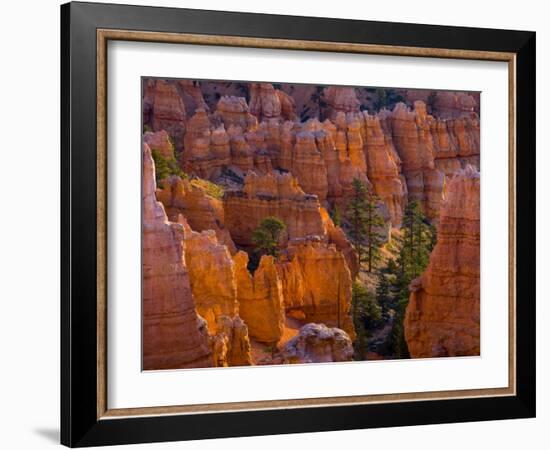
point(277, 224)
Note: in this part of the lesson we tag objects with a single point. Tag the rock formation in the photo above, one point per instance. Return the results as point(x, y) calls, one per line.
point(213, 284)
point(275, 194)
point(316, 343)
point(159, 141)
point(414, 143)
point(337, 237)
point(260, 298)
point(384, 167)
point(202, 211)
point(231, 344)
point(211, 274)
point(442, 317)
point(291, 151)
point(191, 95)
point(317, 281)
point(266, 102)
point(173, 335)
point(447, 104)
point(164, 110)
point(340, 99)
point(234, 111)
point(207, 148)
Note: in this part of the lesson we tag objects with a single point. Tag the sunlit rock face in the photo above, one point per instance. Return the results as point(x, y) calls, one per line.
point(316, 343)
point(442, 317)
point(173, 335)
point(202, 211)
point(316, 280)
point(413, 140)
point(337, 237)
point(275, 194)
point(213, 284)
point(260, 298)
point(384, 167)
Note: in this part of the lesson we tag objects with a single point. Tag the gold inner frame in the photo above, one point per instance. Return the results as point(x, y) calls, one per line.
point(103, 36)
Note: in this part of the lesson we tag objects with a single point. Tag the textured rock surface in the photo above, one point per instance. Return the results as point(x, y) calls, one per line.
point(414, 142)
point(337, 237)
point(211, 274)
point(202, 211)
point(191, 94)
point(384, 168)
point(266, 102)
point(173, 335)
point(167, 111)
point(455, 104)
point(231, 345)
point(260, 298)
point(442, 317)
point(275, 194)
point(234, 111)
point(316, 343)
point(316, 280)
point(340, 99)
point(214, 288)
point(159, 141)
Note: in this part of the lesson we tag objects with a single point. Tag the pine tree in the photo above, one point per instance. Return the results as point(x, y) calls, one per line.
point(356, 215)
point(418, 240)
point(336, 216)
point(374, 223)
point(383, 296)
point(266, 236)
point(365, 223)
point(367, 315)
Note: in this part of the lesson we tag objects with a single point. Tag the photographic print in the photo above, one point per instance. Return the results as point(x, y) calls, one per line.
point(290, 223)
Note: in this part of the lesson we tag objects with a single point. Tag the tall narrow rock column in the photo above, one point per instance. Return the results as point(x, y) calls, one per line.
point(173, 335)
point(442, 317)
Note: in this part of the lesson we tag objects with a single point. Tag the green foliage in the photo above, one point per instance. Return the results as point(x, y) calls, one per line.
point(383, 296)
point(367, 315)
point(365, 223)
point(416, 244)
point(336, 216)
point(146, 128)
point(398, 342)
point(418, 241)
point(212, 189)
point(165, 167)
point(382, 98)
point(266, 237)
point(431, 100)
point(387, 98)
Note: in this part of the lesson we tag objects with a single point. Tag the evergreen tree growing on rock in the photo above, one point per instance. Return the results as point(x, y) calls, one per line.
point(365, 223)
point(266, 237)
point(418, 240)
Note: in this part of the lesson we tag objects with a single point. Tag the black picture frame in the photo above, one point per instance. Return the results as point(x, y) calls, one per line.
point(80, 425)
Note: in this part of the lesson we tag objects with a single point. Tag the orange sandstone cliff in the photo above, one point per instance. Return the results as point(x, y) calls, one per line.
point(442, 317)
point(316, 281)
point(173, 334)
